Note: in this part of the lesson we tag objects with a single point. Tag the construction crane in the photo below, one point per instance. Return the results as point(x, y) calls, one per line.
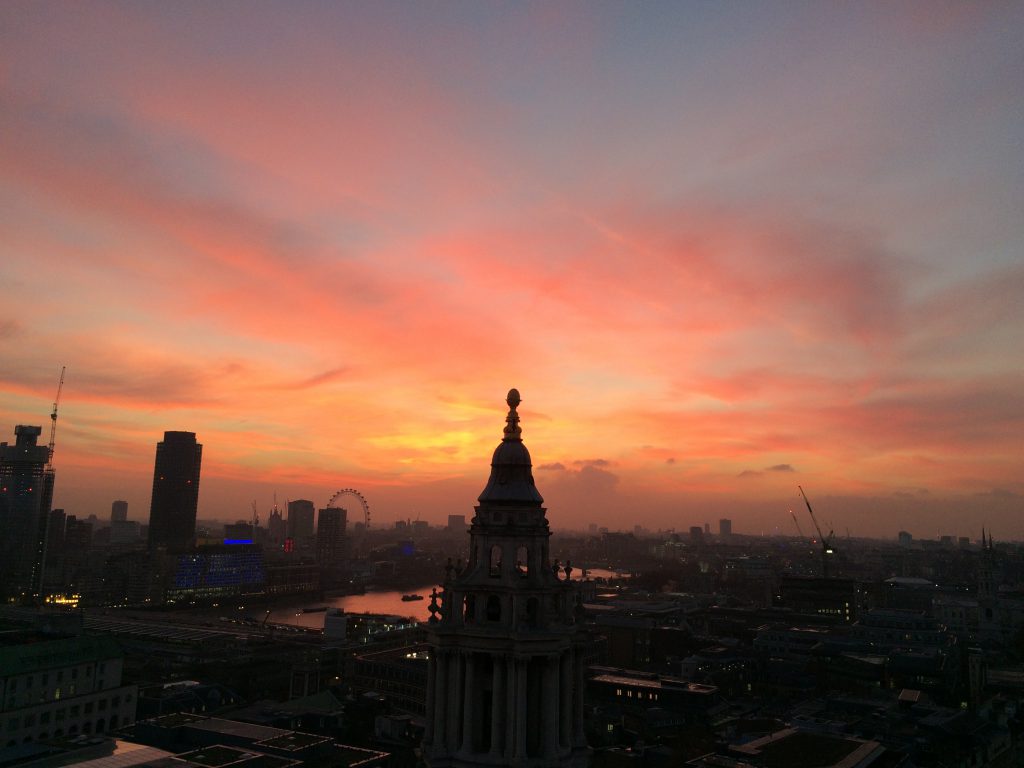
point(826, 541)
point(53, 420)
point(797, 524)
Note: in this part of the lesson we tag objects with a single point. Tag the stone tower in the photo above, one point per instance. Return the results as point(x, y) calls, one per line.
point(505, 680)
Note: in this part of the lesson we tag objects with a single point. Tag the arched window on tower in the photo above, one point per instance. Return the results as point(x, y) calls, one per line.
point(495, 560)
point(523, 561)
point(494, 608)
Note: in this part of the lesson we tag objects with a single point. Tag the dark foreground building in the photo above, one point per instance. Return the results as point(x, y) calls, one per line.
point(505, 679)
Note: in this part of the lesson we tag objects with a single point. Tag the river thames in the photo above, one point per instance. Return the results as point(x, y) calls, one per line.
point(384, 601)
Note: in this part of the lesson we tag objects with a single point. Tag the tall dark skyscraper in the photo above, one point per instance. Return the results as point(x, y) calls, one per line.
point(172, 512)
point(26, 492)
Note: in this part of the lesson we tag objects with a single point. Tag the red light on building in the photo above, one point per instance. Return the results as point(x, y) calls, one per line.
point(289, 545)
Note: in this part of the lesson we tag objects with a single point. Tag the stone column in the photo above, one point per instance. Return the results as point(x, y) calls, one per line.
point(510, 706)
point(549, 701)
point(468, 710)
point(579, 737)
point(497, 705)
point(453, 705)
point(440, 711)
point(565, 693)
point(521, 695)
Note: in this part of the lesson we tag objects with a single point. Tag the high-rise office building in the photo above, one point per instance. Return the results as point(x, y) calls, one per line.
point(456, 523)
point(330, 536)
point(725, 528)
point(172, 512)
point(26, 493)
point(119, 511)
point(300, 519)
point(506, 661)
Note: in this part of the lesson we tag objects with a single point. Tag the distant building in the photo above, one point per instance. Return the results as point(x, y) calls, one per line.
point(172, 511)
point(725, 528)
point(905, 539)
point(696, 534)
point(457, 523)
point(77, 533)
point(119, 511)
point(839, 600)
point(124, 531)
point(26, 492)
point(300, 519)
point(330, 536)
point(238, 531)
point(53, 576)
point(420, 527)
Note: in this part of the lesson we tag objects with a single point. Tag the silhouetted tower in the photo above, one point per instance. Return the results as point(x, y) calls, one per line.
point(506, 664)
point(172, 512)
point(277, 528)
point(989, 613)
point(26, 493)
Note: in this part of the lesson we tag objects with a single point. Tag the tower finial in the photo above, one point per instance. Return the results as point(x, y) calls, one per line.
point(512, 430)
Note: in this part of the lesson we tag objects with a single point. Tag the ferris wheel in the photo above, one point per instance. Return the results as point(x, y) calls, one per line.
point(359, 498)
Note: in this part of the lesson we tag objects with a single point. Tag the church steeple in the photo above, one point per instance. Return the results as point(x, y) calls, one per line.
point(506, 668)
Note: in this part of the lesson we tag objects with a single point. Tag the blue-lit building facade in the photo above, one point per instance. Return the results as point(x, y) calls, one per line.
point(218, 571)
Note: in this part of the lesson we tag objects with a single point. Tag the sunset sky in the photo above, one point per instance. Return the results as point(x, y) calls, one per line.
point(720, 248)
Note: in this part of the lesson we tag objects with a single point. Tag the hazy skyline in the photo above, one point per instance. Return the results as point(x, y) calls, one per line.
point(719, 249)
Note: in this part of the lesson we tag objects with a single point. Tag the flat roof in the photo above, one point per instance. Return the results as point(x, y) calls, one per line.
point(219, 755)
point(792, 748)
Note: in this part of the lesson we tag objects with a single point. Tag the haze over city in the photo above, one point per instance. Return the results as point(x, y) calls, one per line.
point(720, 250)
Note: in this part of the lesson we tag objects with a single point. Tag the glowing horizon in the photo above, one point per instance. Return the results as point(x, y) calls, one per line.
point(719, 252)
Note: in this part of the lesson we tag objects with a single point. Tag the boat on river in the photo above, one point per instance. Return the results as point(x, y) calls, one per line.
point(410, 598)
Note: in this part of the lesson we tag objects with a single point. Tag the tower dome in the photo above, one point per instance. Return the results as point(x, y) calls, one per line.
point(511, 480)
